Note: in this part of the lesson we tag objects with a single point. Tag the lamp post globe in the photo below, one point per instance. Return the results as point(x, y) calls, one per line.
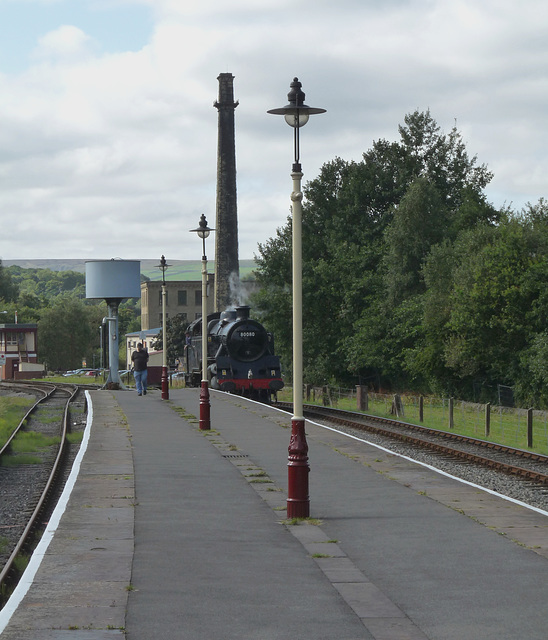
point(203, 232)
point(297, 114)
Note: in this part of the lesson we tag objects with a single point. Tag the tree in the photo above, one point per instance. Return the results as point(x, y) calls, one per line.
point(8, 288)
point(419, 221)
point(368, 227)
point(175, 333)
point(65, 334)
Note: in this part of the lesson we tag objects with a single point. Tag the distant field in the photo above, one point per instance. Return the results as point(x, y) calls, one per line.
point(179, 269)
point(190, 269)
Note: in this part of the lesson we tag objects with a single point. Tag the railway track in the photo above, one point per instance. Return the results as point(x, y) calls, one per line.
point(519, 463)
point(29, 486)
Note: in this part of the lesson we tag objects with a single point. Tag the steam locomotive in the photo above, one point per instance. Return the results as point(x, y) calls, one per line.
point(240, 355)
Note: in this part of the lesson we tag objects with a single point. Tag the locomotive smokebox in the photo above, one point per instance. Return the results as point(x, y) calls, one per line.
point(242, 313)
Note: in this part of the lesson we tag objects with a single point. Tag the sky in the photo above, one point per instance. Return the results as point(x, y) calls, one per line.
point(108, 133)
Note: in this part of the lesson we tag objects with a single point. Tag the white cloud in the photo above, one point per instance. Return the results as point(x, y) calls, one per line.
point(67, 42)
point(124, 144)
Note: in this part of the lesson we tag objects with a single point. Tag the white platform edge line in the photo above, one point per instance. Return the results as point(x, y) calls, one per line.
point(422, 464)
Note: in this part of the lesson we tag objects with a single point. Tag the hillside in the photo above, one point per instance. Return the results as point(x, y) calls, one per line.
point(179, 269)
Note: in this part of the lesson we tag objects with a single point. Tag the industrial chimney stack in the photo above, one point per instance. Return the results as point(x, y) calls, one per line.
point(227, 270)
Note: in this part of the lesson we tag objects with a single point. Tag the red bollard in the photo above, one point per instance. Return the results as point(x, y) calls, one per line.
point(298, 500)
point(165, 384)
point(205, 407)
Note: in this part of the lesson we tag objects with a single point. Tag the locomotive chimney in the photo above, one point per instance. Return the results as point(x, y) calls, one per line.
point(226, 238)
point(242, 313)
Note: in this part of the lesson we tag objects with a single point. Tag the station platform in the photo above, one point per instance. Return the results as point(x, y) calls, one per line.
point(179, 534)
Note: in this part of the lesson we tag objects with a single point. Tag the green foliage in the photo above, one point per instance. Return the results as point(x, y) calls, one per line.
point(175, 332)
point(368, 228)
point(47, 284)
point(68, 324)
point(32, 442)
point(8, 287)
point(66, 331)
point(12, 410)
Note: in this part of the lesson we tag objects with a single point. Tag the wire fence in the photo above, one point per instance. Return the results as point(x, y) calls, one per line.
point(514, 427)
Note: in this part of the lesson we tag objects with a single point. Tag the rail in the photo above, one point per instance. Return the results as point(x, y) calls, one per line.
point(8, 571)
point(533, 466)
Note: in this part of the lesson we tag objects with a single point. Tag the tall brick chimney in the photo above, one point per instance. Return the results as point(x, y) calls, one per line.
point(227, 270)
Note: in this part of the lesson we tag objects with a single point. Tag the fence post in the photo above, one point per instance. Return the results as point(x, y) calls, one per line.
point(451, 422)
point(397, 406)
point(362, 398)
point(421, 409)
point(325, 396)
point(487, 419)
point(530, 428)
point(307, 391)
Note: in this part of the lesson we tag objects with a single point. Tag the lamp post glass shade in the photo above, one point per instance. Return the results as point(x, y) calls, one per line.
point(202, 230)
point(296, 113)
point(163, 267)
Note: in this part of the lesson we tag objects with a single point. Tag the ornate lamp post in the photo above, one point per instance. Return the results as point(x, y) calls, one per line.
point(165, 382)
point(296, 115)
point(203, 232)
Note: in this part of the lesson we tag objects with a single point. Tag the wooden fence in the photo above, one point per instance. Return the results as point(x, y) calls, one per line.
point(522, 428)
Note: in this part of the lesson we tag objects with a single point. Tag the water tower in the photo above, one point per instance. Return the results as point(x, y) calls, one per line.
point(113, 281)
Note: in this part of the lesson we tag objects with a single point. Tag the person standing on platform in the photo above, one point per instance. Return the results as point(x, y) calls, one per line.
point(140, 372)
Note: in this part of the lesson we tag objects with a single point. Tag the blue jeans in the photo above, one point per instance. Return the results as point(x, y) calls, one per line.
point(140, 380)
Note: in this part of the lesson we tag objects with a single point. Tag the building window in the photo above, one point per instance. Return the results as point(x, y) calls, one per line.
point(181, 298)
point(198, 298)
point(11, 338)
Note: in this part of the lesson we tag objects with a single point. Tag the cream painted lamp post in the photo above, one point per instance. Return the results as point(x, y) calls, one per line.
point(296, 115)
point(165, 382)
point(203, 232)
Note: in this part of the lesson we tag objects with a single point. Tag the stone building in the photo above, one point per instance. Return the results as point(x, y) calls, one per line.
point(182, 297)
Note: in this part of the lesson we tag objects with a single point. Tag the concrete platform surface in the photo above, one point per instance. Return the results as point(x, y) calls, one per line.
point(174, 533)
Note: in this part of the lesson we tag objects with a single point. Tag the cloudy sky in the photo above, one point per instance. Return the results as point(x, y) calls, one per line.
point(108, 134)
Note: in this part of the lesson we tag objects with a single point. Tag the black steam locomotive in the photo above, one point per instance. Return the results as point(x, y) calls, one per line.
point(240, 355)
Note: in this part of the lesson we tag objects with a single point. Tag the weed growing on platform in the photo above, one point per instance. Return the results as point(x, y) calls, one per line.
point(184, 414)
point(299, 521)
